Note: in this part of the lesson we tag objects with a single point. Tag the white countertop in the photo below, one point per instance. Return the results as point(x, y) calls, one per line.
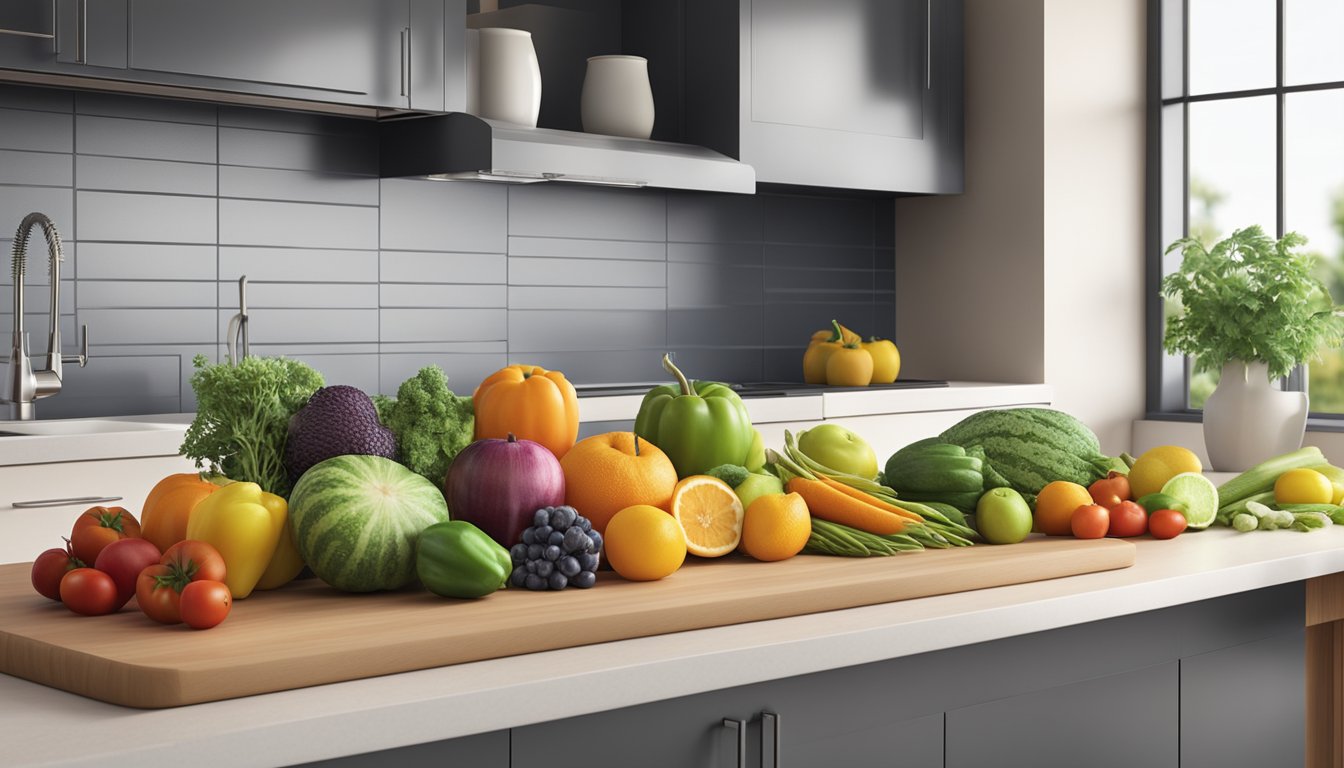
point(44, 726)
point(161, 435)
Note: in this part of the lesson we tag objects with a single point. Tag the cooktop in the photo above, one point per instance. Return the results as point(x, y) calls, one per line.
point(757, 388)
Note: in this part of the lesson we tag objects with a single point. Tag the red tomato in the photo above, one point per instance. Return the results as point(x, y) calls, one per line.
point(157, 594)
point(1090, 521)
point(1110, 491)
point(123, 561)
point(50, 567)
point(1166, 524)
point(89, 591)
point(1128, 519)
point(197, 559)
point(97, 527)
point(205, 603)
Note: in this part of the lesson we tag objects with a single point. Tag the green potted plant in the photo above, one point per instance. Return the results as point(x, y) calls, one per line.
point(1252, 306)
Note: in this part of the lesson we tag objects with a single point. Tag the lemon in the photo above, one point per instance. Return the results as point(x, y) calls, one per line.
point(1157, 465)
point(710, 513)
point(1198, 494)
point(644, 543)
point(1303, 486)
point(1336, 477)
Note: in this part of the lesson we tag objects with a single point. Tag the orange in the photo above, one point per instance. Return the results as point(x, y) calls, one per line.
point(777, 527)
point(644, 543)
point(607, 473)
point(1055, 505)
point(710, 514)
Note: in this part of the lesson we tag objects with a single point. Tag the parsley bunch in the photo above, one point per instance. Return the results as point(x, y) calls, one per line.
point(1249, 298)
point(242, 417)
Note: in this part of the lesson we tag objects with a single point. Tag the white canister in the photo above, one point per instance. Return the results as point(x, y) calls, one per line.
point(617, 99)
point(509, 76)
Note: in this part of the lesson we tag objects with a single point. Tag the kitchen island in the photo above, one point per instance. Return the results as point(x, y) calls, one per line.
point(1205, 630)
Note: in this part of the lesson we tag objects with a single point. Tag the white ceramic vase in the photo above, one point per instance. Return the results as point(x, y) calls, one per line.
point(1247, 420)
point(617, 99)
point(509, 77)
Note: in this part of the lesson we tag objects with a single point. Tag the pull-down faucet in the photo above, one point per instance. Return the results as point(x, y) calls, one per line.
point(23, 385)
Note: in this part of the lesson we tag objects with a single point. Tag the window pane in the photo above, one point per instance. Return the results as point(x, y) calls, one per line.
point(1173, 48)
point(1232, 167)
point(1231, 45)
point(1313, 179)
point(1312, 33)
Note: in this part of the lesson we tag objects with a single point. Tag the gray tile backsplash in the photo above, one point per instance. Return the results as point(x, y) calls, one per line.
point(165, 204)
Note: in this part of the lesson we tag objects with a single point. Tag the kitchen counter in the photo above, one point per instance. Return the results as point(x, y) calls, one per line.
point(44, 726)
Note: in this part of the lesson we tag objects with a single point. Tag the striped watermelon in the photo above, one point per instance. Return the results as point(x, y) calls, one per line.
point(356, 520)
point(1031, 447)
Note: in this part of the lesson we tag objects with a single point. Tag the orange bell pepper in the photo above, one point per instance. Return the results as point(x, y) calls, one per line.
point(531, 403)
point(163, 519)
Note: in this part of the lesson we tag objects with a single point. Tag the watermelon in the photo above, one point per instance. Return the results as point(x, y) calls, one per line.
point(1031, 447)
point(356, 520)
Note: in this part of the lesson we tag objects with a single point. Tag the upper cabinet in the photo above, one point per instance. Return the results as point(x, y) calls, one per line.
point(368, 53)
point(854, 94)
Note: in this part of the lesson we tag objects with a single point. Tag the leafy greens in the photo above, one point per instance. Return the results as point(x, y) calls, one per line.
point(431, 423)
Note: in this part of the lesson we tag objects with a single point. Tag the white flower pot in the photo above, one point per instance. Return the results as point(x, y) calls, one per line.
point(509, 76)
point(1247, 420)
point(617, 99)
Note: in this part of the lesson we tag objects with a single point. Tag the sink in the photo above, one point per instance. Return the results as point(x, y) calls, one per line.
point(78, 427)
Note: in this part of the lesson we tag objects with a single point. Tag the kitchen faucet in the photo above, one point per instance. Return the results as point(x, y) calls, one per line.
point(23, 385)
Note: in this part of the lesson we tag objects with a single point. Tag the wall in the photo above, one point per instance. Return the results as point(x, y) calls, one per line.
point(1035, 274)
point(165, 204)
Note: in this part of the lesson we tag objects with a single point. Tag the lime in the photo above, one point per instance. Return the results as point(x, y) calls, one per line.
point(1155, 501)
point(1198, 494)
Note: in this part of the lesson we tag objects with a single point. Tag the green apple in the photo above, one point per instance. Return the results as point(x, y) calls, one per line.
point(1002, 516)
point(756, 485)
point(838, 448)
point(755, 454)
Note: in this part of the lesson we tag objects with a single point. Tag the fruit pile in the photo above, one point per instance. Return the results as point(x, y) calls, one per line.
point(560, 549)
point(840, 357)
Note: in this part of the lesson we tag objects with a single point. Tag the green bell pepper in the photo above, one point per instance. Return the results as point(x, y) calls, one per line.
point(697, 427)
point(457, 559)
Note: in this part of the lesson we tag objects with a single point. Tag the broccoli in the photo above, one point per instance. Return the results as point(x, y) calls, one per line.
point(431, 423)
point(732, 474)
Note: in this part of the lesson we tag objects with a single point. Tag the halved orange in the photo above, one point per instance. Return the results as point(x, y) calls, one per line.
point(710, 514)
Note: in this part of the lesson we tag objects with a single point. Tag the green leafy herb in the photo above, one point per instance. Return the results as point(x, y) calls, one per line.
point(242, 415)
point(1249, 298)
point(431, 423)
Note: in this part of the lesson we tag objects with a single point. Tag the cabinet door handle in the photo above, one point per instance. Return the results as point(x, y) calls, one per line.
point(928, 44)
point(406, 61)
point(770, 739)
point(740, 730)
point(82, 32)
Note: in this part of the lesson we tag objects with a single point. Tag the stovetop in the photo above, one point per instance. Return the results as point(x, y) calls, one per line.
point(757, 388)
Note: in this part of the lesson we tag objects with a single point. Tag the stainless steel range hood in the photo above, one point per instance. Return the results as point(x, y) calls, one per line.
point(459, 146)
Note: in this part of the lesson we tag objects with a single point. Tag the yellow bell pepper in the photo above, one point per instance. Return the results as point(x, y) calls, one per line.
point(245, 524)
point(286, 563)
point(886, 359)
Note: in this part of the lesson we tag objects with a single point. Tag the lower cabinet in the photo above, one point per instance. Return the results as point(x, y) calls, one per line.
point(1215, 683)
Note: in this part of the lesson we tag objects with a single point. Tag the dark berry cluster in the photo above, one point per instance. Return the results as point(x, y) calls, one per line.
point(559, 550)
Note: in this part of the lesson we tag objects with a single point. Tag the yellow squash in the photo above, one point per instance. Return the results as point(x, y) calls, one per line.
point(246, 525)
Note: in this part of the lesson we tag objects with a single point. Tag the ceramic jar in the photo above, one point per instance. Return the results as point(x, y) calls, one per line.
point(509, 78)
point(617, 99)
point(1247, 420)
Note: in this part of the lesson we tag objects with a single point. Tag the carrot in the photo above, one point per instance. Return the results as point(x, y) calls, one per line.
point(825, 502)
point(870, 499)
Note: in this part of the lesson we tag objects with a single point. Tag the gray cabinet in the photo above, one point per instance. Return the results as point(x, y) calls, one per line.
point(854, 94)
point(484, 750)
point(73, 37)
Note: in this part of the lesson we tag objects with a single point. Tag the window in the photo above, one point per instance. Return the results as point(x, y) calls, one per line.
point(1246, 126)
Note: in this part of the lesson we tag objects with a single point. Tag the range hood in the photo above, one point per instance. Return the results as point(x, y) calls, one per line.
point(458, 146)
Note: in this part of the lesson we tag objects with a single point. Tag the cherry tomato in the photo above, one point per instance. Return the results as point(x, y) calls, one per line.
point(205, 603)
point(50, 567)
point(97, 527)
point(1110, 491)
point(89, 591)
point(197, 559)
point(1128, 519)
point(123, 561)
point(1090, 521)
point(157, 595)
point(1166, 524)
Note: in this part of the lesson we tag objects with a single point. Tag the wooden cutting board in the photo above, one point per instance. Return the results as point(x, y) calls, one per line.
point(309, 634)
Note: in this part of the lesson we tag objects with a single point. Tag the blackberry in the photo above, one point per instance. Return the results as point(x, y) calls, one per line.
point(559, 550)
